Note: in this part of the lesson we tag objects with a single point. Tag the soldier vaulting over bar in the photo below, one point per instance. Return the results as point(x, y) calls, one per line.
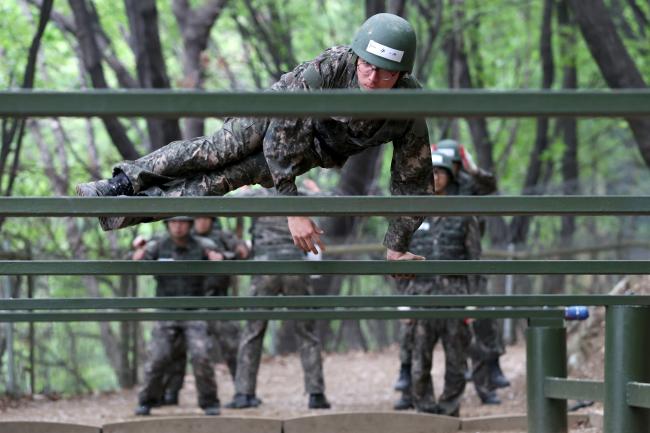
point(272, 152)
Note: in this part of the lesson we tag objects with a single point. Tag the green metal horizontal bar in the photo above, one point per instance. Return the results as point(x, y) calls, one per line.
point(326, 206)
point(329, 267)
point(321, 302)
point(354, 314)
point(392, 103)
point(574, 389)
point(638, 394)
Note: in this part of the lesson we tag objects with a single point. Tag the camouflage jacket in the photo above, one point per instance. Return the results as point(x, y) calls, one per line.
point(448, 238)
point(293, 146)
point(164, 249)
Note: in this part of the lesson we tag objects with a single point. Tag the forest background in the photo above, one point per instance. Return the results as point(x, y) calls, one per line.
point(247, 45)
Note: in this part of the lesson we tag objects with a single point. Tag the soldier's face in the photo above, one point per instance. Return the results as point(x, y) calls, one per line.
point(440, 179)
point(179, 229)
point(202, 225)
point(371, 77)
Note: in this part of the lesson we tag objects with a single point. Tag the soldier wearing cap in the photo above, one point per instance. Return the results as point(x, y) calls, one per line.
point(224, 335)
point(443, 238)
point(274, 151)
point(487, 346)
point(179, 244)
point(272, 241)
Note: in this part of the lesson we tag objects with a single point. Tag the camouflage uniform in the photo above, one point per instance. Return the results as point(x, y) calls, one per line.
point(269, 152)
point(224, 334)
point(165, 334)
point(486, 339)
point(420, 245)
point(452, 239)
point(272, 241)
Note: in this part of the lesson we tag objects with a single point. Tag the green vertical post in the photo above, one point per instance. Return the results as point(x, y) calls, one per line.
point(545, 356)
point(627, 341)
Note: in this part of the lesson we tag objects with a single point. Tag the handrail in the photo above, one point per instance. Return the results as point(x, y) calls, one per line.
point(382, 104)
point(324, 267)
point(324, 206)
point(430, 301)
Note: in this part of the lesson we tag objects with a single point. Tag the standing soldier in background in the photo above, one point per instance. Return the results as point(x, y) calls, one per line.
point(451, 238)
point(272, 240)
point(179, 244)
point(224, 334)
point(487, 346)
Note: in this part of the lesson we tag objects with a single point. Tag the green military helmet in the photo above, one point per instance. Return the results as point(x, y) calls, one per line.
point(440, 159)
point(386, 41)
point(180, 218)
point(449, 147)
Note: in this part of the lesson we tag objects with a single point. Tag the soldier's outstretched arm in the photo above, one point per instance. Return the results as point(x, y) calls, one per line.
point(411, 174)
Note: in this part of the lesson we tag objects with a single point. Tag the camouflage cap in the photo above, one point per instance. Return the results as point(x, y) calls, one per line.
point(439, 159)
point(180, 218)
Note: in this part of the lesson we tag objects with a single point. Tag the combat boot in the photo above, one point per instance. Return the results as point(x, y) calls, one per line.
point(119, 185)
point(428, 407)
point(497, 378)
point(244, 401)
point(405, 402)
point(449, 408)
point(318, 401)
point(143, 410)
point(404, 381)
point(212, 410)
point(490, 398)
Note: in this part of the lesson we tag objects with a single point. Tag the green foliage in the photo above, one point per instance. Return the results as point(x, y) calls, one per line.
point(502, 38)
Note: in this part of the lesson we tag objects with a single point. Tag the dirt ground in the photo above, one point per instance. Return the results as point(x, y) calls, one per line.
point(355, 381)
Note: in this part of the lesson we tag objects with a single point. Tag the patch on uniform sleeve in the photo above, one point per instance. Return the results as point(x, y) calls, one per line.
point(383, 51)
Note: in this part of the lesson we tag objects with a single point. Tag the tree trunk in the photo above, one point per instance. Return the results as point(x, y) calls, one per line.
point(613, 59)
point(92, 61)
point(195, 25)
point(520, 224)
point(150, 64)
point(375, 7)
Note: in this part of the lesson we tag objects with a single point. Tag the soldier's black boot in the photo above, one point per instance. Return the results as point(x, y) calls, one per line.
point(143, 410)
point(497, 378)
point(213, 409)
point(116, 186)
point(428, 407)
point(490, 398)
point(318, 401)
point(170, 399)
point(404, 381)
point(405, 402)
point(244, 401)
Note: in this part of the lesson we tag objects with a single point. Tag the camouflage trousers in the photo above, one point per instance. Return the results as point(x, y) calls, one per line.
point(455, 337)
point(161, 352)
point(486, 344)
point(223, 341)
point(406, 329)
point(251, 344)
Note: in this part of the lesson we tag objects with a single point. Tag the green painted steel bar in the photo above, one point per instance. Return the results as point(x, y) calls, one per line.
point(352, 314)
point(320, 302)
point(638, 394)
point(575, 389)
point(329, 267)
point(545, 357)
point(627, 339)
point(393, 103)
point(323, 206)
